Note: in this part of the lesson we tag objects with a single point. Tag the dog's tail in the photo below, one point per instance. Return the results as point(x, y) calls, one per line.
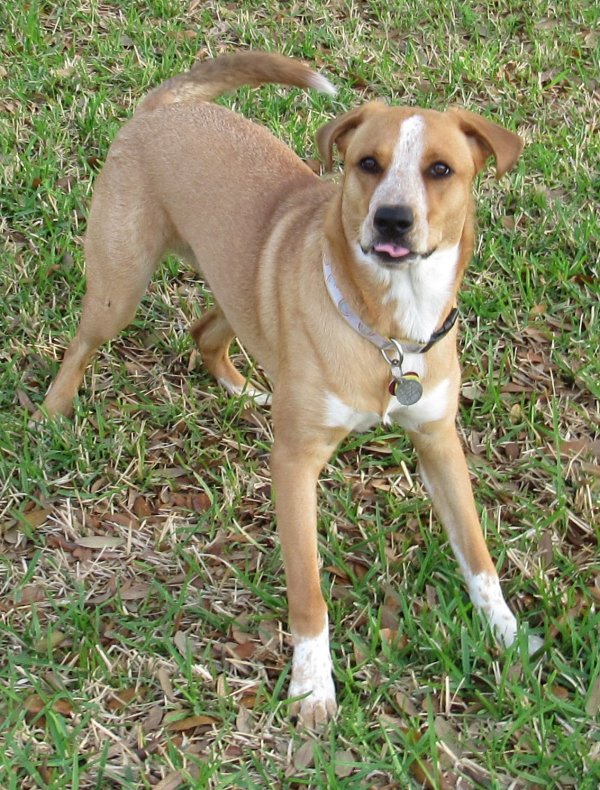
point(210, 78)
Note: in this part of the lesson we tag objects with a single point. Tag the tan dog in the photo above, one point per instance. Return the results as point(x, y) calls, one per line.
point(343, 293)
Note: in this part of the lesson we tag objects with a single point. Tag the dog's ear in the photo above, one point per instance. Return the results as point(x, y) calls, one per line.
point(488, 139)
point(339, 131)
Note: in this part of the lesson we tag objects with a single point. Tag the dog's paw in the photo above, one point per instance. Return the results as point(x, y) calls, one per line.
point(312, 681)
point(260, 397)
point(317, 705)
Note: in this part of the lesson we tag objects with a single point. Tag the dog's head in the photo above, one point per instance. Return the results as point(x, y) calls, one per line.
point(408, 176)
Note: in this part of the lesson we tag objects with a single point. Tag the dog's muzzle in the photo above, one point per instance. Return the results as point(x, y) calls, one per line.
point(392, 225)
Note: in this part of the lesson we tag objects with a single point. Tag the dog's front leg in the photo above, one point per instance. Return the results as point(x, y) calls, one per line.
point(445, 474)
point(297, 459)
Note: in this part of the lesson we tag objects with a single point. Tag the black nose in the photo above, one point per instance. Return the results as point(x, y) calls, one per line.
point(393, 221)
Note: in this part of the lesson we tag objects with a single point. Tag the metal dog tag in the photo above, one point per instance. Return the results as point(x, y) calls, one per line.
point(407, 389)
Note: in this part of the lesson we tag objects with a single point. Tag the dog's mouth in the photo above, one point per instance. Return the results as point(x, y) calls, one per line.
point(394, 255)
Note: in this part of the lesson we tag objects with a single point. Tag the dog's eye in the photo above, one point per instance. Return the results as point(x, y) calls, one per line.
point(370, 165)
point(440, 170)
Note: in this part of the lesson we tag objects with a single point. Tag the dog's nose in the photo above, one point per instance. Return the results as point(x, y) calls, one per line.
point(393, 221)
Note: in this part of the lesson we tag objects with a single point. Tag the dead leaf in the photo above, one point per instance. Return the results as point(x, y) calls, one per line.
point(200, 502)
point(121, 699)
point(171, 782)
point(345, 762)
point(592, 705)
point(153, 720)
point(35, 518)
point(245, 651)
point(49, 642)
point(243, 721)
point(30, 594)
point(182, 643)
point(191, 722)
point(446, 733)
point(545, 549)
point(406, 704)
point(248, 700)
point(100, 542)
point(34, 704)
point(134, 591)
point(304, 757)
point(268, 633)
point(141, 508)
point(241, 637)
point(165, 683)
point(24, 399)
point(472, 392)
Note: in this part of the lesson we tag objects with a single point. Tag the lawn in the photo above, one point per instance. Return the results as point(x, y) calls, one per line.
point(143, 633)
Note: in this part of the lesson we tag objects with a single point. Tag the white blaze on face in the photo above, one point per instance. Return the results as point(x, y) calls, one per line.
point(403, 183)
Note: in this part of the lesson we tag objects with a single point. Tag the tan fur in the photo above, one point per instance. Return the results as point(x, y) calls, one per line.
point(195, 178)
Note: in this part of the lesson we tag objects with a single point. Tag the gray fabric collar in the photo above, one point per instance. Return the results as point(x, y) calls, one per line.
point(388, 347)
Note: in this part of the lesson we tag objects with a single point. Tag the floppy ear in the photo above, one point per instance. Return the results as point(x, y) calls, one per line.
point(488, 139)
point(339, 131)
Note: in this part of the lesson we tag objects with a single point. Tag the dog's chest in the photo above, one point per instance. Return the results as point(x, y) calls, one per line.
point(432, 405)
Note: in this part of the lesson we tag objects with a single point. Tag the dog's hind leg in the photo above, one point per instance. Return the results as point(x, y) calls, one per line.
point(213, 336)
point(123, 248)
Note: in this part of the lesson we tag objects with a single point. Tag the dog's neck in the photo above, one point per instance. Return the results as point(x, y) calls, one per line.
point(410, 302)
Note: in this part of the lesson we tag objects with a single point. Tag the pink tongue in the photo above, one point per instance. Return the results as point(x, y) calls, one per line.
point(392, 250)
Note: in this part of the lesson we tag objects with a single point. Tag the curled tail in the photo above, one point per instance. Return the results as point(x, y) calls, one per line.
point(211, 78)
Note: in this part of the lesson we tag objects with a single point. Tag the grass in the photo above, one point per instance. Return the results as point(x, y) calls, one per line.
point(157, 655)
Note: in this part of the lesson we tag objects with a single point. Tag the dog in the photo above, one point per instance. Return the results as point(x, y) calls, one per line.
point(345, 293)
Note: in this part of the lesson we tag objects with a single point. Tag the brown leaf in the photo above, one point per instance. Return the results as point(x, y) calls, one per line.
point(446, 733)
point(406, 704)
point(165, 683)
point(268, 633)
point(545, 549)
point(190, 722)
point(248, 700)
point(134, 591)
point(100, 542)
point(304, 757)
point(345, 763)
point(34, 704)
point(200, 502)
point(592, 705)
point(49, 642)
point(171, 782)
point(241, 637)
point(30, 594)
point(390, 612)
point(109, 591)
point(35, 518)
point(153, 720)
point(122, 698)
point(183, 643)
point(141, 508)
point(243, 721)
point(245, 651)
point(24, 399)
point(559, 691)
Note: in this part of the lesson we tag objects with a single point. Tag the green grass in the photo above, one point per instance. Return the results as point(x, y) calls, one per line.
point(185, 616)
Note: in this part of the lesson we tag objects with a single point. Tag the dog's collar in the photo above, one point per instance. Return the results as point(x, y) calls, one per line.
point(392, 350)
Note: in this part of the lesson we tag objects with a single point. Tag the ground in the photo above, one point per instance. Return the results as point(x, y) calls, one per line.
point(144, 640)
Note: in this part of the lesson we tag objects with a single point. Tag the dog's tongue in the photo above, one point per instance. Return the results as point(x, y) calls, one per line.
point(392, 250)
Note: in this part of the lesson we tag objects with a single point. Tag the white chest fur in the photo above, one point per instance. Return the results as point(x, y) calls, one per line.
point(433, 405)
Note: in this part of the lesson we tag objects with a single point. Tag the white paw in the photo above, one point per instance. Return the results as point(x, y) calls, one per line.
point(312, 680)
point(259, 397)
point(487, 598)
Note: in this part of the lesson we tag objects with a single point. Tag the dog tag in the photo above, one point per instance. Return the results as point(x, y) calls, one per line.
point(407, 389)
